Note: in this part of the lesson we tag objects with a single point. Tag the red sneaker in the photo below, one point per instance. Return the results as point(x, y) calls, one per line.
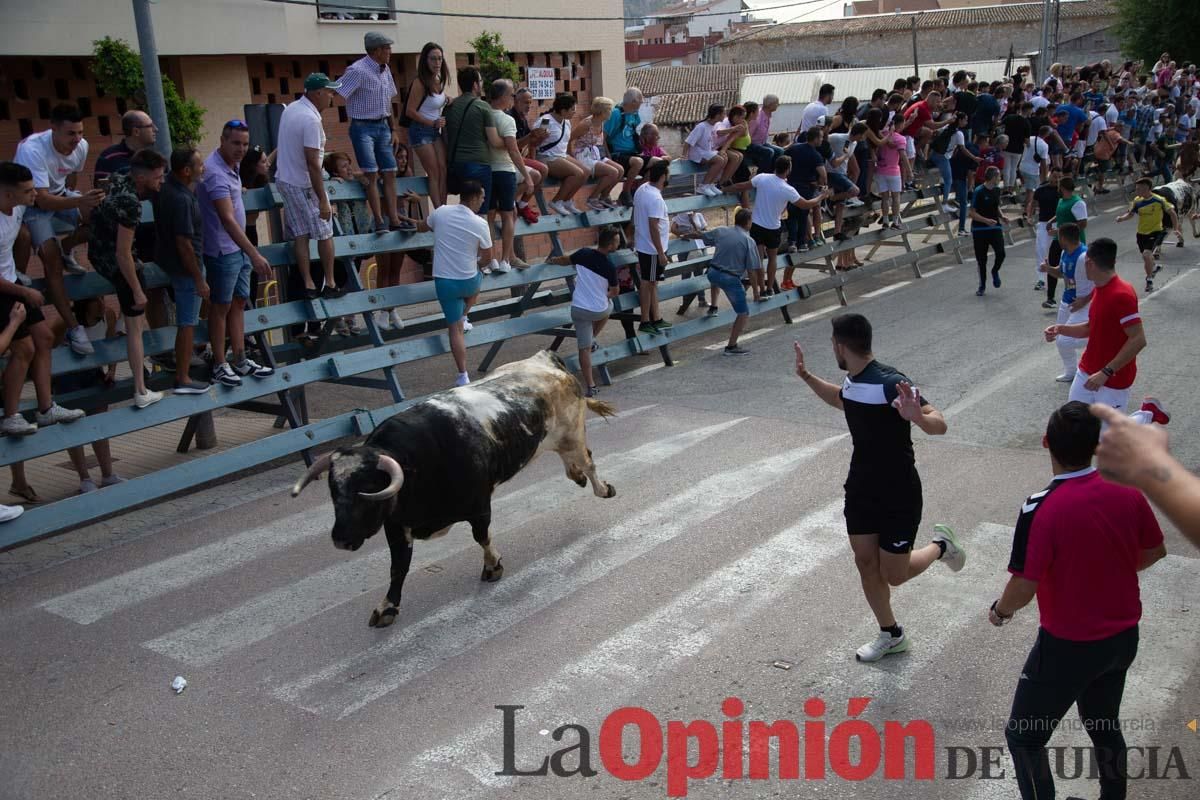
point(1156, 409)
point(787, 286)
point(529, 214)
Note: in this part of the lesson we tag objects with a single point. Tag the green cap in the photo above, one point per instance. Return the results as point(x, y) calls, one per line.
point(319, 80)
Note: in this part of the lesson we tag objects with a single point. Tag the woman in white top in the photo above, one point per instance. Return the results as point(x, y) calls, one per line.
point(426, 99)
point(553, 152)
point(588, 146)
point(706, 147)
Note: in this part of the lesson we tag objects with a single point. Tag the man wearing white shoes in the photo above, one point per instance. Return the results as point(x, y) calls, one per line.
point(883, 489)
point(1076, 296)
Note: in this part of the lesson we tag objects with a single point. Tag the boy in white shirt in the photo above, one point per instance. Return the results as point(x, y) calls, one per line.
point(702, 147)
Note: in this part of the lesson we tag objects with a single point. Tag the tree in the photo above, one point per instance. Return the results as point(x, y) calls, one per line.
point(1148, 28)
point(492, 58)
point(119, 73)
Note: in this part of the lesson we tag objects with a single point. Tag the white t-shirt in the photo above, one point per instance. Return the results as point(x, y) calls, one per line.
point(50, 168)
point(772, 195)
point(812, 113)
point(559, 136)
point(1111, 115)
point(957, 139)
point(838, 143)
point(1035, 146)
point(458, 233)
point(299, 128)
point(702, 142)
point(690, 222)
point(505, 126)
point(649, 208)
point(1095, 128)
point(10, 226)
point(1040, 102)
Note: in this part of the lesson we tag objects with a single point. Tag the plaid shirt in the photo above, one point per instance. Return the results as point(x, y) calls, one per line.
point(1146, 115)
point(368, 88)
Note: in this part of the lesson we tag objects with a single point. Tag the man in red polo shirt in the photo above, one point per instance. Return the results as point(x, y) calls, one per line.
point(1078, 547)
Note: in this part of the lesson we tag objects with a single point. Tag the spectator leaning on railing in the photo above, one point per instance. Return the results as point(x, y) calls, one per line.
point(470, 135)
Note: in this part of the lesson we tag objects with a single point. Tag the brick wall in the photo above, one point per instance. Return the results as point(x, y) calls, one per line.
point(572, 73)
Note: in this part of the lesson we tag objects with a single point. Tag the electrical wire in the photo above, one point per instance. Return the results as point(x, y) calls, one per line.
point(349, 6)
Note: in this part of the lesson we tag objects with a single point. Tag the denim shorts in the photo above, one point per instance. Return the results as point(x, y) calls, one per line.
point(452, 294)
point(840, 183)
point(503, 196)
point(733, 289)
point(228, 277)
point(187, 302)
point(419, 135)
point(372, 143)
point(474, 171)
point(41, 223)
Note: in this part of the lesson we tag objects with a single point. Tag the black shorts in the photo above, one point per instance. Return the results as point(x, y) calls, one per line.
point(32, 315)
point(766, 237)
point(623, 160)
point(125, 292)
point(650, 268)
point(1054, 256)
point(886, 507)
point(1149, 242)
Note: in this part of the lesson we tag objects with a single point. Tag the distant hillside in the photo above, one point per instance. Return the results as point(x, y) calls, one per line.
point(640, 8)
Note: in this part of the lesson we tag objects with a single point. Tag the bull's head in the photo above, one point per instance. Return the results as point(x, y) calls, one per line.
point(363, 483)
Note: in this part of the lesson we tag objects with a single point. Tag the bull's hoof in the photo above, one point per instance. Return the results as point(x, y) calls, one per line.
point(612, 491)
point(384, 618)
point(492, 574)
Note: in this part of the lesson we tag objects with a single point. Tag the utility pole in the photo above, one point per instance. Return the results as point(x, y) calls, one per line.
point(152, 75)
point(916, 64)
point(1054, 38)
point(1043, 62)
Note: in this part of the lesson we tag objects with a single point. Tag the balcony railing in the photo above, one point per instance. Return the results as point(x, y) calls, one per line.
point(356, 10)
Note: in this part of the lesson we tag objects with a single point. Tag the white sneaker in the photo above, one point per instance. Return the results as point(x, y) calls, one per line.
point(9, 513)
point(1066, 377)
point(492, 266)
point(147, 399)
point(16, 425)
point(884, 645)
point(558, 207)
point(87, 485)
point(72, 266)
point(462, 380)
point(111, 480)
point(384, 320)
point(78, 340)
point(502, 267)
point(397, 320)
point(854, 202)
point(955, 556)
point(572, 208)
point(949, 209)
point(57, 413)
point(467, 325)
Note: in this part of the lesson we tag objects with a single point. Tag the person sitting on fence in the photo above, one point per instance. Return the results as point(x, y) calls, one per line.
point(14, 320)
point(591, 303)
point(735, 127)
point(228, 254)
point(32, 340)
point(553, 150)
point(735, 254)
point(55, 157)
point(527, 142)
point(426, 101)
point(706, 148)
point(761, 151)
point(179, 252)
point(508, 172)
point(621, 130)
point(782, 140)
point(460, 239)
point(652, 151)
point(589, 148)
point(651, 224)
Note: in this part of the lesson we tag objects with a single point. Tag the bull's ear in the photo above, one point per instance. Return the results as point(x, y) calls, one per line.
point(395, 473)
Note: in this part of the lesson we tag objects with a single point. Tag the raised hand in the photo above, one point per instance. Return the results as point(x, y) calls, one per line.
point(908, 402)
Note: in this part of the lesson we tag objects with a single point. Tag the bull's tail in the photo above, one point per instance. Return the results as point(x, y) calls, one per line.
point(601, 408)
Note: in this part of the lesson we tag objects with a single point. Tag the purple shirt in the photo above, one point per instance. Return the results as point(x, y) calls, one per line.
point(761, 128)
point(220, 182)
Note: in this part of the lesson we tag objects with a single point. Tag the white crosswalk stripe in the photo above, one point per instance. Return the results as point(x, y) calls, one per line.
point(460, 626)
point(209, 639)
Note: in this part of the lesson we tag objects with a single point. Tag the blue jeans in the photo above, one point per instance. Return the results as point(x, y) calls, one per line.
point(964, 202)
point(372, 143)
point(187, 302)
point(474, 171)
point(733, 289)
point(763, 156)
point(943, 166)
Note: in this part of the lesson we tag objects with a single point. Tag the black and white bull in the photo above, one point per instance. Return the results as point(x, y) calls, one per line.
point(1183, 196)
point(438, 462)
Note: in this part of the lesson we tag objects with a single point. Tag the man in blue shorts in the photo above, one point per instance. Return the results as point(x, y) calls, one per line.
point(736, 254)
point(883, 489)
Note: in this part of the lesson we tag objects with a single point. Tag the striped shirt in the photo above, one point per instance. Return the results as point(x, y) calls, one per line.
point(368, 88)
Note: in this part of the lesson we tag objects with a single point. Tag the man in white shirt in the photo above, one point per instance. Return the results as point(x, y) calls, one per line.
point(460, 238)
point(300, 150)
point(651, 226)
point(55, 157)
point(814, 111)
point(705, 147)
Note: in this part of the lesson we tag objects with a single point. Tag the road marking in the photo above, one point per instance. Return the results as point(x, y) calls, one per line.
point(745, 337)
point(465, 624)
point(209, 639)
point(677, 630)
point(818, 312)
point(885, 289)
point(633, 373)
point(937, 271)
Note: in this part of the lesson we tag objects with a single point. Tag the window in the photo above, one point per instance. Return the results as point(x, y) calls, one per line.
point(355, 9)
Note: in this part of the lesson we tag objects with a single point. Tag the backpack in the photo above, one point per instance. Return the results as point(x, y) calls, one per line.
point(1106, 144)
point(942, 140)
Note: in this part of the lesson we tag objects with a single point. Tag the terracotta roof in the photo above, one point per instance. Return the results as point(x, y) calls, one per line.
point(688, 109)
point(945, 18)
point(711, 77)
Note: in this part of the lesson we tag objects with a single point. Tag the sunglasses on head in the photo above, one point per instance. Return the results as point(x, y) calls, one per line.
point(237, 125)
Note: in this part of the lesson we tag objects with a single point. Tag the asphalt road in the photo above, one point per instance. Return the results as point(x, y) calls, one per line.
point(720, 570)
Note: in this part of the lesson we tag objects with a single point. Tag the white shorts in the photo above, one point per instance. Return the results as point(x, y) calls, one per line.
point(888, 183)
point(1117, 398)
point(1078, 149)
point(910, 147)
point(701, 156)
point(1031, 180)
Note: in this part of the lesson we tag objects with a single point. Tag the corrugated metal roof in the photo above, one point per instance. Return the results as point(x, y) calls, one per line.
point(794, 88)
point(945, 18)
point(711, 77)
point(688, 109)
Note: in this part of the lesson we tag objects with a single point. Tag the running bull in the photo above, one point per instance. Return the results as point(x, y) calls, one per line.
point(1183, 196)
point(438, 462)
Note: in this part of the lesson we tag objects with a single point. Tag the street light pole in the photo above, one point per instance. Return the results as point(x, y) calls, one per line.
point(152, 75)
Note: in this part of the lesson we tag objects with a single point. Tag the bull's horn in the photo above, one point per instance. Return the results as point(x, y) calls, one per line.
point(395, 472)
point(319, 466)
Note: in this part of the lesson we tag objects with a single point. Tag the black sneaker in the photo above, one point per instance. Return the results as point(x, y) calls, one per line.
point(662, 325)
point(713, 310)
point(980, 291)
point(736, 350)
point(191, 387)
point(224, 375)
point(1049, 304)
point(332, 293)
point(647, 327)
point(312, 294)
point(1149, 286)
point(592, 391)
point(1157, 269)
point(252, 368)
point(996, 278)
